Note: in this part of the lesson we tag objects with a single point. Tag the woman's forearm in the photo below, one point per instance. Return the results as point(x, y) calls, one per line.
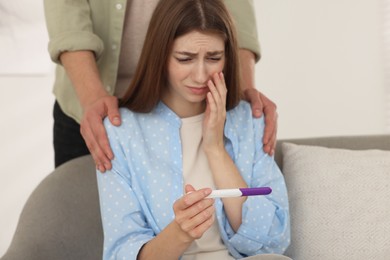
point(227, 176)
point(169, 244)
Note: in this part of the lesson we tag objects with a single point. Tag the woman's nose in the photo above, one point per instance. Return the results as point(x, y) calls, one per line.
point(200, 74)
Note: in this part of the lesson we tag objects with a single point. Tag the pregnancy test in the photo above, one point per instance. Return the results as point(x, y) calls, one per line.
point(240, 192)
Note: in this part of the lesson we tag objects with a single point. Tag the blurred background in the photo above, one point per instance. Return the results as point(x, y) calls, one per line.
point(326, 64)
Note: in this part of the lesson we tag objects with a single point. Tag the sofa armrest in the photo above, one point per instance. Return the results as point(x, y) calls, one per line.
point(381, 142)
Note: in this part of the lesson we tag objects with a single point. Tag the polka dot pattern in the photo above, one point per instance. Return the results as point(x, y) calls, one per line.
point(137, 195)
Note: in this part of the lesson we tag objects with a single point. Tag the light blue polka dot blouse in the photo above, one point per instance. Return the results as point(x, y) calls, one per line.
point(137, 195)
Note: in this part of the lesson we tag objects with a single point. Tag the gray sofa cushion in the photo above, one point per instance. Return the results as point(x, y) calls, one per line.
point(337, 198)
point(61, 219)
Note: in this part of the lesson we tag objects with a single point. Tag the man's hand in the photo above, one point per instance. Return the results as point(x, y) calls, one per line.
point(94, 133)
point(261, 104)
point(96, 102)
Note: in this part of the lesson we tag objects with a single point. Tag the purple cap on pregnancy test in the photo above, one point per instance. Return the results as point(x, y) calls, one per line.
point(255, 191)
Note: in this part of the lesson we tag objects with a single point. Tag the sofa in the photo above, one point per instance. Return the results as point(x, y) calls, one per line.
point(61, 219)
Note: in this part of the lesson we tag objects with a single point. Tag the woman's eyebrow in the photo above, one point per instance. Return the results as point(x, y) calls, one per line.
point(213, 53)
point(187, 53)
point(191, 54)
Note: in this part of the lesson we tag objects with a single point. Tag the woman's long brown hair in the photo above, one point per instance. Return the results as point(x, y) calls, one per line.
point(172, 19)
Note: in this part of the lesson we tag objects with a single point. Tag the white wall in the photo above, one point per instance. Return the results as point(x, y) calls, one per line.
point(26, 154)
point(321, 64)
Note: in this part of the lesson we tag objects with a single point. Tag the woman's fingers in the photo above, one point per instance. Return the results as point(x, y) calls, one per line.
point(194, 211)
point(198, 219)
point(191, 198)
point(219, 81)
point(217, 98)
point(218, 89)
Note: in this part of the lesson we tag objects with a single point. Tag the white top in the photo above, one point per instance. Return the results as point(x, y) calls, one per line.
point(196, 171)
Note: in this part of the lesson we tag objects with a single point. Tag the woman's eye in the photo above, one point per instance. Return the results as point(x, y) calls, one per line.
point(183, 59)
point(215, 58)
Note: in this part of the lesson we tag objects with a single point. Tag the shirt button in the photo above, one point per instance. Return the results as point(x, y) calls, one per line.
point(108, 88)
point(118, 6)
point(114, 46)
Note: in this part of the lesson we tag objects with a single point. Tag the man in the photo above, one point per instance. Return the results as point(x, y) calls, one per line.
point(97, 45)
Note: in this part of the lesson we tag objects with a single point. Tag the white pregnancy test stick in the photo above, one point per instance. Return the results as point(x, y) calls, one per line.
point(231, 193)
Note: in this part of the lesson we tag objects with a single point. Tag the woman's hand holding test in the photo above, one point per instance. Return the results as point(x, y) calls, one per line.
point(194, 215)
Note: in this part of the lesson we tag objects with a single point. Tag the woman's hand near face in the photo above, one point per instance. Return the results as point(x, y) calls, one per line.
point(215, 114)
point(225, 173)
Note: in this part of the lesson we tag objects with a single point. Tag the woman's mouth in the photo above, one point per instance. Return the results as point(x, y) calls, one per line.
point(199, 90)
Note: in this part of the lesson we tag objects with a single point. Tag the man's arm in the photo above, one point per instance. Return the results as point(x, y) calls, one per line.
point(260, 104)
point(74, 45)
point(243, 13)
point(96, 103)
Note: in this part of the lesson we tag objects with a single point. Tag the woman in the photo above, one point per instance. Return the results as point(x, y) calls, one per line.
point(185, 131)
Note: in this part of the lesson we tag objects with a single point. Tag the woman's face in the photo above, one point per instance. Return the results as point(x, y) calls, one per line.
point(195, 57)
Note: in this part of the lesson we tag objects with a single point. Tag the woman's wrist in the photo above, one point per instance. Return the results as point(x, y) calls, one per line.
point(181, 236)
point(170, 243)
point(214, 152)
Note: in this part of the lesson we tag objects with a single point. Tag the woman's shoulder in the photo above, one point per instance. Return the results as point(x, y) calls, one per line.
point(242, 107)
point(130, 120)
point(241, 122)
point(242, 125)
point(243, 113)
point(127, 116)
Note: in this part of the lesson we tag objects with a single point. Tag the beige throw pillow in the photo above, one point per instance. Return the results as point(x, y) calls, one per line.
point(339, 203)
